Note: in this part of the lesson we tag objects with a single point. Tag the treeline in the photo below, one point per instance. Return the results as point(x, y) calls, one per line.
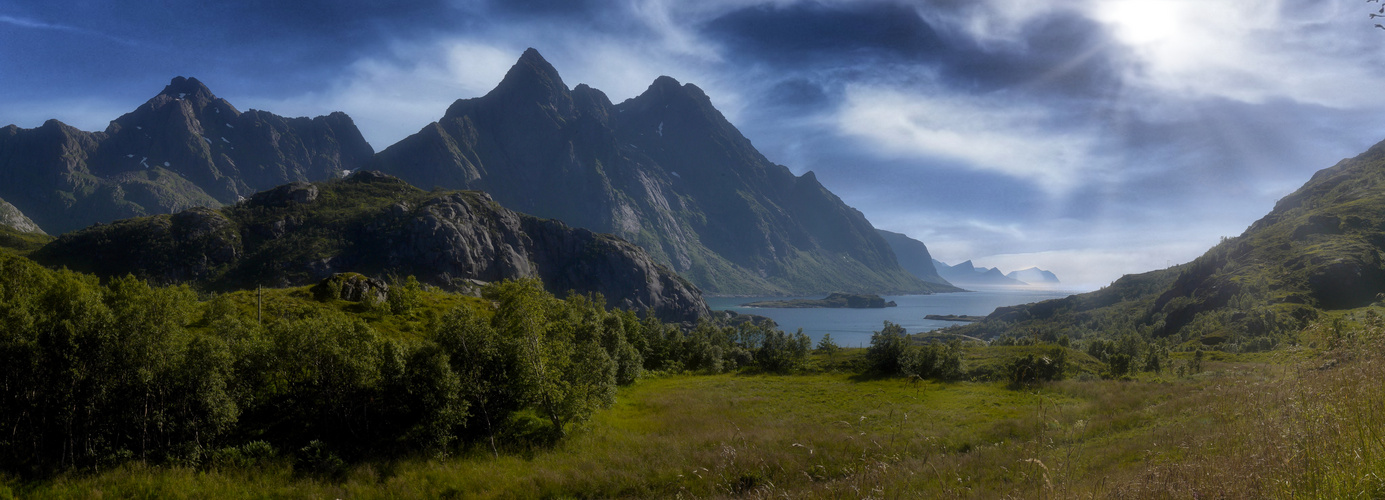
point(98, 373)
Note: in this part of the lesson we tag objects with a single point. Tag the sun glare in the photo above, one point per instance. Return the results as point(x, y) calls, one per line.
point(1140, 23)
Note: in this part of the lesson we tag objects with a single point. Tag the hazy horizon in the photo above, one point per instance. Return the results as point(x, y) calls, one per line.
point(1089, 138)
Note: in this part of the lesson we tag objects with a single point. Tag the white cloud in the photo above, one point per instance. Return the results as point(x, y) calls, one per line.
point(1249, 50)
point(1013, 139)
point(393, 97)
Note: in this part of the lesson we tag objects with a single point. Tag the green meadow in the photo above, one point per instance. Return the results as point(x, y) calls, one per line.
point(1297, 422)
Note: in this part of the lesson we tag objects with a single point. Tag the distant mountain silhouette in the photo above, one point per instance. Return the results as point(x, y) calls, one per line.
point(664, 170)
point(185, 147)
point(967, 274)
point(1033, 276)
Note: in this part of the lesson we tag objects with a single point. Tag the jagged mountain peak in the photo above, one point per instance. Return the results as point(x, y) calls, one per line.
point(183, 147)
point(665, 170)
point(182, 87)
point(531, 75)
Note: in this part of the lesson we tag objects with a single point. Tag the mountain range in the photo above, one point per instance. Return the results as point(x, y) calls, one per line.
point(183, 148)
point(967, 274)
point(664, 170)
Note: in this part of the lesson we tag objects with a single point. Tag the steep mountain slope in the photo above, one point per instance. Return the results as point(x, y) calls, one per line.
point(913, 256)
point(1319, 249)
point(183, 148)
point(664, 170)
point(378, 225)
point(967, 274)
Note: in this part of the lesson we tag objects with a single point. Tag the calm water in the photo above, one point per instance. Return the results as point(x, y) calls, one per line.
point(853, 327)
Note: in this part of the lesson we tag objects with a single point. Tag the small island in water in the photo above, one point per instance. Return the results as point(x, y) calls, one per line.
point(954, 317)
point(837, 300)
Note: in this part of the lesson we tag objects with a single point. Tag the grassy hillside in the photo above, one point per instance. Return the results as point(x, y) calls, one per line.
point(1319, 250)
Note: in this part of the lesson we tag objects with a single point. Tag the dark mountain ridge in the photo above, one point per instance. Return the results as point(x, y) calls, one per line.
point(301, 233)
point(184, 147)
point(664, 170)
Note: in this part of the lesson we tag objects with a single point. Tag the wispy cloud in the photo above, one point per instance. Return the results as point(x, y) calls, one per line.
point(991, 135)
point(36, 24)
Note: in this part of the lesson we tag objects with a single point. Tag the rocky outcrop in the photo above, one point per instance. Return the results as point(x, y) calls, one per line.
point(376, 225)
point(664, 170)
point(185, 147)
point(12, 218)
point(353, 287)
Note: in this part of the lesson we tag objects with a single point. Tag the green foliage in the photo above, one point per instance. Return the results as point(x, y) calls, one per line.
point(934, 360)
point(1031, 368)
point(826, 345)
point(887, 347)
point(782, 352)
point(1119, 365)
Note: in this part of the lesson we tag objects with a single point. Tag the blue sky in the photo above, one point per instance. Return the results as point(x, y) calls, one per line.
point(1090, 137)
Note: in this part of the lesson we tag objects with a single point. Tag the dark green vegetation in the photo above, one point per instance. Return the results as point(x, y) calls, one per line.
point(1296, 424)
point(833, 300)
point(1318, 250)
point(97, 374)
point(664, 170)
point(301, 233)
point(183, 148)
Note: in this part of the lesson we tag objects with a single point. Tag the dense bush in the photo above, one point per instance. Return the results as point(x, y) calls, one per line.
point(892, 353)
point(98, 373)
point(1030, 368)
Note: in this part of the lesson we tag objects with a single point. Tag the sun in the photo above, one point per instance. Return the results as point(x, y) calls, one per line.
point(1141, 23)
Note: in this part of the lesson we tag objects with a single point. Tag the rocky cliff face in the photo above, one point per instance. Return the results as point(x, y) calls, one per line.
point(301, 233)
point(14, 219)
point(664, 170)
point(183, 148)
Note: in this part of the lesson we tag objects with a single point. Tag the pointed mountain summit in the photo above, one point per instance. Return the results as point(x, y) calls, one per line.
point(664, 170)
point(184, 147)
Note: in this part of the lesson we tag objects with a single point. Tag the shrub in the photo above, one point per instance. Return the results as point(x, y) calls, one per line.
point(887, 346)
point(1031, 368)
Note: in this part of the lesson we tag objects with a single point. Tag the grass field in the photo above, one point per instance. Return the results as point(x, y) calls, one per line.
point(1295, 423)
